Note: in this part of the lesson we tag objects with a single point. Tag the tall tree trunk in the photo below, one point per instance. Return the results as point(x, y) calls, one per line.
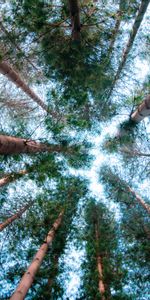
point(136, 25)
point(15, 216)
point(101, 286)
point(139, 199)
point(75, 19)
point(12, 177)
point(115, 33)
point(142, 111)
point(12, 75)
point(28, 277)
point(14, 145)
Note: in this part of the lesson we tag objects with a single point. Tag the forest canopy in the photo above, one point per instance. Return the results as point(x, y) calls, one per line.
point(74, 149)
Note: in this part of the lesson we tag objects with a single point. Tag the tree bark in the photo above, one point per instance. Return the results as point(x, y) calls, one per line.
point(139, 199)
point(11, 177)
point(101, 286)
point(75, 19)
point(15, 216)
point(12, 75)
point(142, 111)
point(28, 277)
point(136, 25)
point(13, 145)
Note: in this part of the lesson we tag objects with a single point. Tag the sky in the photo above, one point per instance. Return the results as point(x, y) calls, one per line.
point(73, 259)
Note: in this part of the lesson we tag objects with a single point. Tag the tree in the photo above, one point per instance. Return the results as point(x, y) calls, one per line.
point(28, 277)
point(11, 177)
point(122, 186)
point(15, 216)
point(135, 214)
point(33, 227)
point(138, 20)
point(76, 45)
point(142, 111)
point(14, 145)
point(74, 65)
point(12, 75)
point(75, 19)
point(102, 266)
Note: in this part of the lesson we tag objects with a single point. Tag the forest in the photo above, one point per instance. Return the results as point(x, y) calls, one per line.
point(74, 149)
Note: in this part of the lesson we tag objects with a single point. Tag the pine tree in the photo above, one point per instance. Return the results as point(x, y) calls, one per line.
point(102, 267)
point(15, 216)
point(28, 277)
point(14, 145)
point(135, 211)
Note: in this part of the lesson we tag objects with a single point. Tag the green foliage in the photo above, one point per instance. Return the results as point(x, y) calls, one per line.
point(74, 79)
point(136, 232)
point(99, 220)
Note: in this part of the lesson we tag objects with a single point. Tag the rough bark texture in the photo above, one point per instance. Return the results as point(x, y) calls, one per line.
point(136, 25)
point(75, 19)
point(14, 145)
point(12, 75)
point(142, 111)
point(15, 216)
point(140, 200)
point(28, 277)
point(101, 286)
point(11, 177)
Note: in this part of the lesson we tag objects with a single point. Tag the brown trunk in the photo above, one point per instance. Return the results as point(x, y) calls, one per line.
point(11, 177)
point(14, 145)
point(75, 19)
point(12, 75)
point(15, 216)
point(28, 277)
point(139, 199)
point(142, 111)
point(101, 286)
point(136, 25)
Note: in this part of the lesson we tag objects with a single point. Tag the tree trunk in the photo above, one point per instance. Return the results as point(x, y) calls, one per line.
point(15, 216)
point(28, 277)
point(136, 25)
point(14, 145)
point(12, 75)
point(142, 111)
point(101, 286)
point(133, 153)
point(115, 33)
point(12, 177)
point(75, 19)
point(140, 200)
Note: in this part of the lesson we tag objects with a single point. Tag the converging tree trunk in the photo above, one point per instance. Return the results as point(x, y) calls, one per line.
point(28, 277)
point(139, 199)
point(101, 286)
point(15, 216)
point(12, 75)
point(136, 25)
point(12, 177)
point(75, 19)
point(13, 145)
point(142, 111)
